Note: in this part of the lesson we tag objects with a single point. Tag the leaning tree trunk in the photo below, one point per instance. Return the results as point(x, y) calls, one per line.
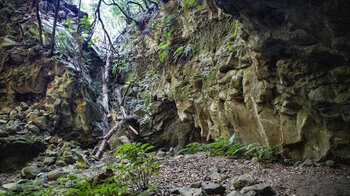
point(125, 117)
point(54, 28)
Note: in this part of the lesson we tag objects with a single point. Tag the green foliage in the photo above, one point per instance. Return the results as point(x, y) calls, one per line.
point(231, 149)
point(230, 43)
point(85, 24)
point(136, 163)
point(163, 50)
point(183, 52)
point(190, 4)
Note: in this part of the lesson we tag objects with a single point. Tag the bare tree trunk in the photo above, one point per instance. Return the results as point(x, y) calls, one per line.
point(105, 80)
point(54, 28)
point(39, 22)
point(78, 52)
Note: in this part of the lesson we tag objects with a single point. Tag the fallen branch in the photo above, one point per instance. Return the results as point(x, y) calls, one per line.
point(107, 137)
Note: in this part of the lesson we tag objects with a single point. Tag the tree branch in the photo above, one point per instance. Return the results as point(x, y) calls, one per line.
point(54, 28)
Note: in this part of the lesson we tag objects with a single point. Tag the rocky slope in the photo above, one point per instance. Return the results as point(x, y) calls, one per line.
point(39, 96)
point(280, 78)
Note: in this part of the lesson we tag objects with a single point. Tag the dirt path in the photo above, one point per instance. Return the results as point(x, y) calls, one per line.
point(182, 171)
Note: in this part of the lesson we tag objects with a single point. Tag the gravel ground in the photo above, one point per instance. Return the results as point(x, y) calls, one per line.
point(182, 171)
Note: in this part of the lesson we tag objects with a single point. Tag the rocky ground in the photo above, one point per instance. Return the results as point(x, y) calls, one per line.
point(306, 178)
point(201, 174)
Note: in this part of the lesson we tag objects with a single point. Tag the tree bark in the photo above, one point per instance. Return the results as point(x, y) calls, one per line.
point(39, 22)
point(105, 80)
point(107, 137)
point(54, 28)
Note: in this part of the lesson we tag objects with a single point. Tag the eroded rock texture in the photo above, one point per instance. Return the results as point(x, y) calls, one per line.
point(282, 78)
point(41, 96)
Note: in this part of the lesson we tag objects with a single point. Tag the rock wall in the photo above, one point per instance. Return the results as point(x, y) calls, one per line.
point(41, 96)
point(280, 78)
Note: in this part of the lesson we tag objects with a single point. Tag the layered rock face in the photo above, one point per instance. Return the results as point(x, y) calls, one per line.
point(40, 96)
point(273, 72)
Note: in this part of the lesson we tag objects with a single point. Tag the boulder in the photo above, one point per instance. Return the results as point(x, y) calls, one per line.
point(49, 160)
point(82, 162)
point(11, 187)
point(55, 174)
point(243, 181)
point(30, 172)
point(12, 127)
point(32, 128)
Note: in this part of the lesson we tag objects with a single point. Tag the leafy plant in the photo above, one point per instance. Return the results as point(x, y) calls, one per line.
point(163, 50)
point(190, 4)
point(230, 43)
point(136, 164)
point(231, 149)
point(183, 52)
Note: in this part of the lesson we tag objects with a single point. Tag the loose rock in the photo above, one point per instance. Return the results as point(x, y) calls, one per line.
point(30, 172)
point(243, 181)
point(53, 175)
point(260, 189)
point(212, 188)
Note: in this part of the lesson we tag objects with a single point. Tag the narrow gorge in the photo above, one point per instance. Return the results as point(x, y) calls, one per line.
point(266, 77)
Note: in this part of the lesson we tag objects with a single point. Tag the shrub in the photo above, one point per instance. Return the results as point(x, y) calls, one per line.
point(232, 149)
point(136, 164)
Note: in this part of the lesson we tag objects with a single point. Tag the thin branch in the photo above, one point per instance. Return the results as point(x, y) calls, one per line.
point(132, 2)
point(39, 22)
point(54, 28)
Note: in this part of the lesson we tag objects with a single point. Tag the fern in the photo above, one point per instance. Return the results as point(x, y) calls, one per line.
point(231, 149)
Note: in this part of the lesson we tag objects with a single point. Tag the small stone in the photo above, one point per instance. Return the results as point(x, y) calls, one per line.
point(60, 163)
point(246, 162)
point(47, 138)
point(49, 160)
point(3, 121)
point(22, 132)
point(254, 161)
point(161, 154)
point(53, 175)
point(330, 163)
point(24, 105)
point(212, 188)
point(30, 172)
point(196, 185)
point(296, 164)
point(243, 181)
point(42, 177)
point(2, 192)
point(214, 170)
point(32, 128)
point(68, 157)
point(308, 163)
point(260, 189)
